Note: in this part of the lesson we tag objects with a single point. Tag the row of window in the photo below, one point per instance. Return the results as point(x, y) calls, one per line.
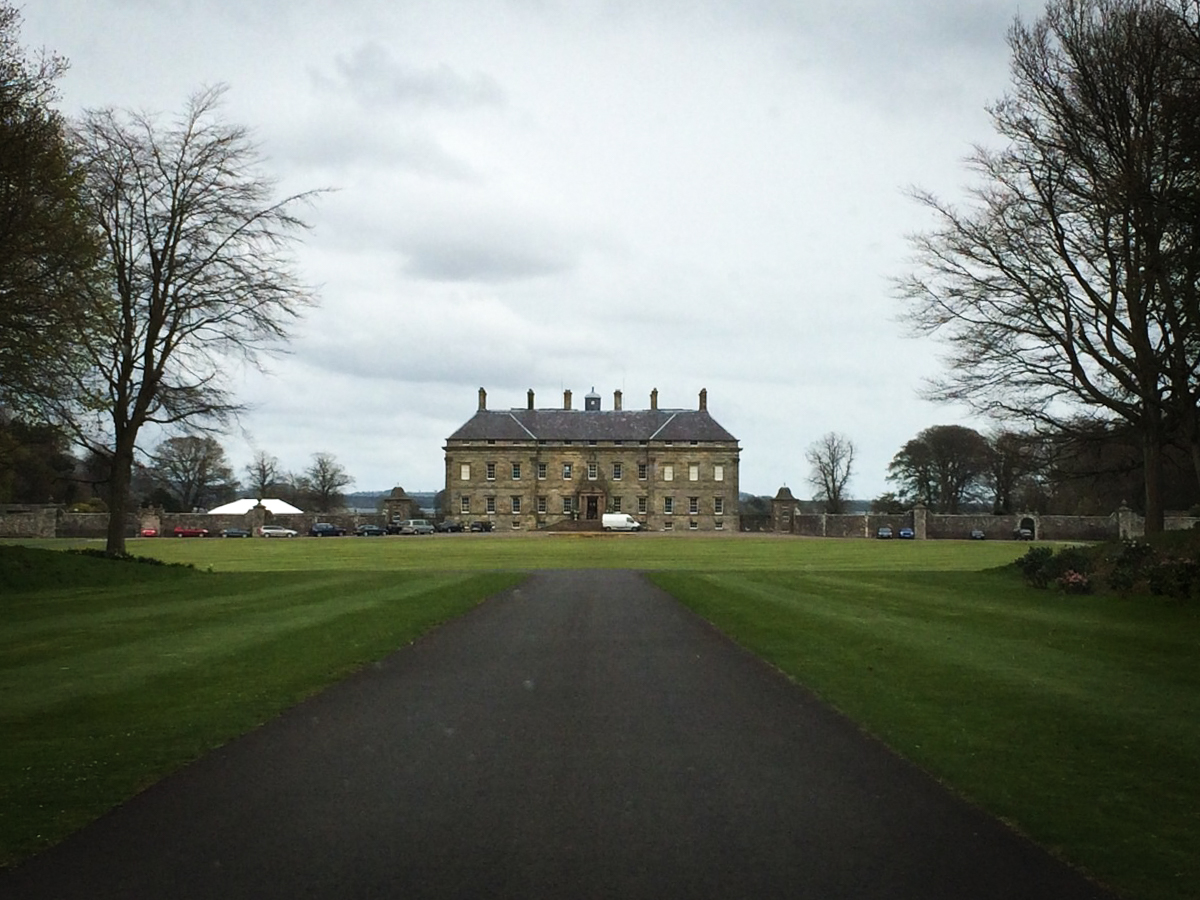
point(693, 525)
point(568, 505)
point(593, 471)
point(491, 442)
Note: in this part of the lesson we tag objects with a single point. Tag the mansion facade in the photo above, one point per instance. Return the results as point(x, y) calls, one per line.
point(529, 468)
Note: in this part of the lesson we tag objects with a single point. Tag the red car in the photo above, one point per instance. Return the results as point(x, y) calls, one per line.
point(181, 531)
point(149, 532)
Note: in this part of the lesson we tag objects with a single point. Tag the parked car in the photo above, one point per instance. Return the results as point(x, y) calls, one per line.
point(884, 533)
point(1023, 534)
point(326, 529)
point(977, 534)
point(481, 526)
point(448, 527)
point(149, 532)
point(277, 531)
point(370, 531)
point(415, 526)
point(185, 531)
point(235, 532)
point(907, 534)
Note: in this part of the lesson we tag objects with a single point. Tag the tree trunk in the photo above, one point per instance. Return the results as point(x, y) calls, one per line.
point(118, 496)
point(1152, 464)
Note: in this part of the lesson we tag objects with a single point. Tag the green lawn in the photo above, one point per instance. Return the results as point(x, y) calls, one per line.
point(520, 552)
point(1075, 718)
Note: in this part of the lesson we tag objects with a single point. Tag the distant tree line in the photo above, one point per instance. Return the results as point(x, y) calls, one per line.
point(180, 474)
point(1089, 469)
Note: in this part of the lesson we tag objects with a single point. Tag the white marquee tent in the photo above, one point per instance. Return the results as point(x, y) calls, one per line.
point(241, 507)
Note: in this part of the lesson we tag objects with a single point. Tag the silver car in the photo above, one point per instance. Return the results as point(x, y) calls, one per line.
point(276, 531)
point(415, 526)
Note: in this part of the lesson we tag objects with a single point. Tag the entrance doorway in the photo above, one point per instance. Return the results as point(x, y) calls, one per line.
point(593, 508)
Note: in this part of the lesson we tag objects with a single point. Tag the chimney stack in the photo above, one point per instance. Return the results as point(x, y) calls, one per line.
point(703, 399)
point(566, 399)
point(482, 399)
point(530, 397)
point(617, 400)
point(654, 399)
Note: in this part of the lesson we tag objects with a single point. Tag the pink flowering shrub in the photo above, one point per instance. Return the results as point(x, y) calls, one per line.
point(1072, 582)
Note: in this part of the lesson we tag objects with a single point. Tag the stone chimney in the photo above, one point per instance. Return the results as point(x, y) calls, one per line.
point(482, 399)
point(617, 400)
point(566, 399)
point(703, 399)
point(529, 397)
point(654, 399)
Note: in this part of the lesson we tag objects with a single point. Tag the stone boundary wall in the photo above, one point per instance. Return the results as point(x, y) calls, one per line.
point(1122, 524)
point(51, 522)
point(255, 519)
point(846, 526)
point(29, 522)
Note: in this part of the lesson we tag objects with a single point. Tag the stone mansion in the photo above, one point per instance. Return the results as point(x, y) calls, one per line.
point(529, 468)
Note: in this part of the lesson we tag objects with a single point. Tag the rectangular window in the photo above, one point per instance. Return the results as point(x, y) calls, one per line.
point(516, 472)
point(566, 471)
point(668, 526)
point(490, 504)
point(616, 501)
point(692, 525)
point(464, 472)
point(718, 472)
point(542, 505)
point(693, 506)
point(719, 525)
point(464, 505)
point(643, 471)
point(593, 471)
point(491, 472)
point(693, 472)
point(719, 506)
point(567, 505)
point(542, 471)
point(668, 506)
point(617, 472)
point(668, 473)
point(516, 506)
point(642, 505)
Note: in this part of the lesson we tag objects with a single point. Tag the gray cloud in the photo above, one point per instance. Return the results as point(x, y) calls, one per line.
point(495, 258)
point(374, 77)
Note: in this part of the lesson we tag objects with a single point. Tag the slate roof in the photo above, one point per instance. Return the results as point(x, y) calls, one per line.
point(592, 425)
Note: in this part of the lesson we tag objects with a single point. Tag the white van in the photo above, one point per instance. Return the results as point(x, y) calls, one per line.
point(620, 522)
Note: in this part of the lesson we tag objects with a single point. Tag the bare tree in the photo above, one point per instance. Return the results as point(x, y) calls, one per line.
point(198, 275)
point(1071, 285)
point(262, 474)
point(324, 480)
point(832, 462)
point(194, 469)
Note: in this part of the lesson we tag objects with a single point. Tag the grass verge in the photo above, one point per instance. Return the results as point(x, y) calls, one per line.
point(107, 687)
point(1077, 719)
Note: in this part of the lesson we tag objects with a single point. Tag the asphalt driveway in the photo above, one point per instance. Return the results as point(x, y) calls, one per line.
point(581, 736)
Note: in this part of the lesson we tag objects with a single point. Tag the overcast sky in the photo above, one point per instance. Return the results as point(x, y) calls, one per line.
point(567, 195)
